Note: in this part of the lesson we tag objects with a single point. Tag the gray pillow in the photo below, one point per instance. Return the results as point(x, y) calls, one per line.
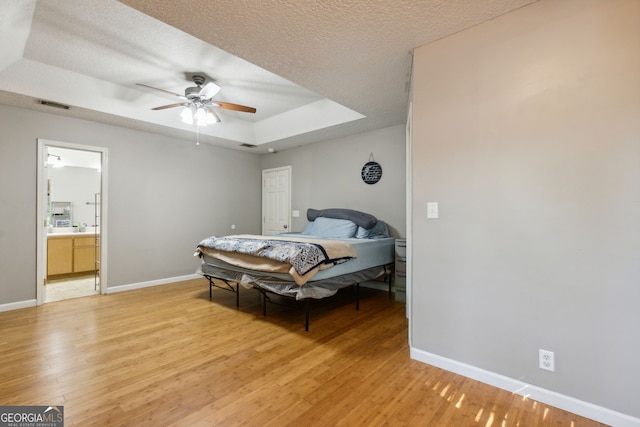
point(362, 219)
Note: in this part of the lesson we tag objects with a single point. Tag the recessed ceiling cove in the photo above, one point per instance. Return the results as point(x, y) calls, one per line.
point(91, 53)
point(312, 70)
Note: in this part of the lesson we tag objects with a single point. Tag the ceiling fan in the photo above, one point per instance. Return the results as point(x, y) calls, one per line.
point(199, 100)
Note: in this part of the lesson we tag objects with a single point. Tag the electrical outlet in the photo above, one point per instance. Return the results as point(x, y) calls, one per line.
point(547, 361)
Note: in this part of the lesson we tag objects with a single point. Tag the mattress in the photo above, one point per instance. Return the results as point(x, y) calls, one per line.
point(369, 253)
point(374, 257)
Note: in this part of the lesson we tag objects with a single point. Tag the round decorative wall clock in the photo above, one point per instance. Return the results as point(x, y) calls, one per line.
point(371, 171)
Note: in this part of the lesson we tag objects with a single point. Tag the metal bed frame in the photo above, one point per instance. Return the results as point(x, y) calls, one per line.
point(387, 273)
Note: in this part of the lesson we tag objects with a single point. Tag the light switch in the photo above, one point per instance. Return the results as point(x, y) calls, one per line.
point(295, 214)
point(432, 210)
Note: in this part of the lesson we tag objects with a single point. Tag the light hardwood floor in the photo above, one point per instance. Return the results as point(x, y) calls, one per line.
point(168, 355)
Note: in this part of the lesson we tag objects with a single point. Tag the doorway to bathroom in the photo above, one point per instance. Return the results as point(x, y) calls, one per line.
point(71, 221)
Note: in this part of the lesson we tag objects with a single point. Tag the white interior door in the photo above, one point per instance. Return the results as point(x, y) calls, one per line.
point(276, 200)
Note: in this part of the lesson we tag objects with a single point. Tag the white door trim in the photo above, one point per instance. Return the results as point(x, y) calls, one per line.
point(41, 235)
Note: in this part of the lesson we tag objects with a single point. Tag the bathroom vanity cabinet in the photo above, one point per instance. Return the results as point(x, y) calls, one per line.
point(72, 253)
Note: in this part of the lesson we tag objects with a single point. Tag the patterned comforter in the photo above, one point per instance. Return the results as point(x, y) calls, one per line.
point(302, 258)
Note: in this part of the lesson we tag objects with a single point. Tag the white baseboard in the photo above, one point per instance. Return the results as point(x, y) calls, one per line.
point(567, 403)
point(140, 285)
point(32, 303)
point(18, 305)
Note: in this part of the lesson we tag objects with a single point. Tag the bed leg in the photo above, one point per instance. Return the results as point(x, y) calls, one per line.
point(306, 315)
point(357, 296)
point(210, 288)
point(237, 295)
point(264, 304)
point(390, 282)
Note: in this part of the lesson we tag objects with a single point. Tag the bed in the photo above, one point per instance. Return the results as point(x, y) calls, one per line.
point(339, 248)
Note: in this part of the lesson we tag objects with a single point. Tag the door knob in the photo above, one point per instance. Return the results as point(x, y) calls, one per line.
point(285, 226)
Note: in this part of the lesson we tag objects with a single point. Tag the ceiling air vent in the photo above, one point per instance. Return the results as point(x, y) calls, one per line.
point(53, 104)
point(248, 145)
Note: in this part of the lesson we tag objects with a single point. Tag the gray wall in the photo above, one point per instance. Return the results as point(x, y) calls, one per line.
point(527, 132)
point(327, 175)
point(165, 195)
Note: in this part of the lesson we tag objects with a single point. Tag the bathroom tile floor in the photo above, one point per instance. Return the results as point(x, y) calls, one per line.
point(57, 290)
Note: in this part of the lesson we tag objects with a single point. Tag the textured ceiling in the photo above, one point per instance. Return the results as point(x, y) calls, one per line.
point(313, 69)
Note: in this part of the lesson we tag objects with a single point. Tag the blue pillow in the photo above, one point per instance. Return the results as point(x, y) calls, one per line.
point(332, 228)
point(308, 229)
point(378, 231)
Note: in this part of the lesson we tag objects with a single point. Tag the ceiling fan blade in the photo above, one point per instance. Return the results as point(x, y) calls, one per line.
point(164, 107)
point(162, 90)
point(235, 107)
point(209, 90)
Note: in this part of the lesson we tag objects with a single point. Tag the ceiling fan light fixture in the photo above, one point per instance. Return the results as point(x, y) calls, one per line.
point(200, 115)
point(187, 116)
point(211, 117)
